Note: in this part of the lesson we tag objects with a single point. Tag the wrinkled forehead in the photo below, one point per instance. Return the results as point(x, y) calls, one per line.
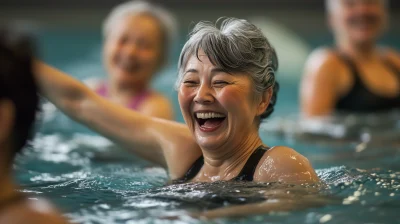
point(207, 61)
point(198, 60)
point(143, 24)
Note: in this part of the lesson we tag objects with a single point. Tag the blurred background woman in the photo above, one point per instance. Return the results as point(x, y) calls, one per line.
point(137, 38)
point(356, 75)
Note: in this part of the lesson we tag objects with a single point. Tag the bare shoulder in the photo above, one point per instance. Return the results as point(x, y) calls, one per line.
point(159, 106)
point(393, 56)
point(284, 164)
point(321, 61)
point(324, 68)
point(32, 211)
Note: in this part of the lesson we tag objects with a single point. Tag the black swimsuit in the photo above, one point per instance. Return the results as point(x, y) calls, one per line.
point(246, 174)
point(360, 99)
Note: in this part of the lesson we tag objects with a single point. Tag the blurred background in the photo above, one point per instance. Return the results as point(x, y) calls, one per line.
point(70, 34)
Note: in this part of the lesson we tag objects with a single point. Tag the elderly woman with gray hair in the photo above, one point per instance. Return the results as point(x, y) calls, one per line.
point(137, 38)
point(226, 86)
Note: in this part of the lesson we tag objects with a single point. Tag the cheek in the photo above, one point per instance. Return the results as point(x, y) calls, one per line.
point(185, 98)
point(151, 57)
point(234, 99)
point(110, 50)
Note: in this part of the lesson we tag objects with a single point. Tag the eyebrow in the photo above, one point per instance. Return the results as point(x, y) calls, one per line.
point(192, 70)
point(213, 71)
point(219, 69)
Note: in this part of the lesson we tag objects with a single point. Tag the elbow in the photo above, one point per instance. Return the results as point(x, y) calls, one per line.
point(74, 103)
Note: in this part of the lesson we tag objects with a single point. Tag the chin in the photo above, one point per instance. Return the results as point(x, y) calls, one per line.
point(365, 37)
point(211, 142)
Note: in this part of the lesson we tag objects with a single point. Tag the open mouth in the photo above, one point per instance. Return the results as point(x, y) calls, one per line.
point(209, 121)
point(364, 21)
point(128, 66)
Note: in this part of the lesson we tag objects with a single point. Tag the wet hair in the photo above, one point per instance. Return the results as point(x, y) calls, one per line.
point(164, 18)
point(17, 84)
point(235, 45)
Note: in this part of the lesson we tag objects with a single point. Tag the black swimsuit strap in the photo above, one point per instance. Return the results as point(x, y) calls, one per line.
point(248, 170)
point(246, 174)
point(192, 172)
point(352, 66)
point(392, 67)
point(355, 72)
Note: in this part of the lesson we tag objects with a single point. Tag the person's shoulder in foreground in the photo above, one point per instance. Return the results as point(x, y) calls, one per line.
point(31, 211)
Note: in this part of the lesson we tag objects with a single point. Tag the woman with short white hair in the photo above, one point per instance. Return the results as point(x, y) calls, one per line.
point(137, 39)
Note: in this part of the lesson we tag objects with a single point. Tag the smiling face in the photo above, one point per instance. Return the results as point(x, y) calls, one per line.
point(220, 108)
point(133, 50)
point(359, 21)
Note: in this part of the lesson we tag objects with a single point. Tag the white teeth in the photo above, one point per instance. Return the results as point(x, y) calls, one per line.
point(209, 115)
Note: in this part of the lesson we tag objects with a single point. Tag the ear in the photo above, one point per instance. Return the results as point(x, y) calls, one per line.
point(265, 99)
point(7, 117)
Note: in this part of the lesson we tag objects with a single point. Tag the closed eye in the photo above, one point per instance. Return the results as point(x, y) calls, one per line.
point(189, 83)
point(220, 83)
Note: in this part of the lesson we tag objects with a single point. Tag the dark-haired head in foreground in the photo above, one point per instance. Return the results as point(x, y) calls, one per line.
point(18, 106)
point(17, 88)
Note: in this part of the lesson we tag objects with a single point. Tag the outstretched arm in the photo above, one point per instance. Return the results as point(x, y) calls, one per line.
point(154, 139)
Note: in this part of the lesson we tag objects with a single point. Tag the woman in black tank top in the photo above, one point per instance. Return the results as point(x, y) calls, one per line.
point(356, 26)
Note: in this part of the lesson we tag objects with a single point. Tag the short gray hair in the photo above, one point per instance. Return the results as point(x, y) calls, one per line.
point(329, 4)
point(236, 46)
point(166, 20)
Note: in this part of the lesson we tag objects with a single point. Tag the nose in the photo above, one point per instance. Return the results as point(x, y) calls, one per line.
point(130, 49)
point(204, 95)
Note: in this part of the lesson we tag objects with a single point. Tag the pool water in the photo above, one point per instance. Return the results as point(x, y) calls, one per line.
point(93, 181)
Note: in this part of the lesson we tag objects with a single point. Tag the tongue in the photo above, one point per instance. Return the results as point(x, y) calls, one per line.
point(212, 123)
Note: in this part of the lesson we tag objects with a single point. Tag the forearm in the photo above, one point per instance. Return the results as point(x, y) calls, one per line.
point(125, 127)
point(62, 90)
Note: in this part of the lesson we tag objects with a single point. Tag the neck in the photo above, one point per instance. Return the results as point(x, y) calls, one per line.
point(362, 51)
point(224, 163)
point(125, 91)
